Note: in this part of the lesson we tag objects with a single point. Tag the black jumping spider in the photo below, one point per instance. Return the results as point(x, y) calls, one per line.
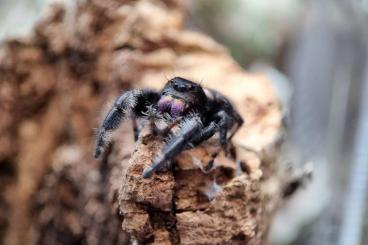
point(199, 113)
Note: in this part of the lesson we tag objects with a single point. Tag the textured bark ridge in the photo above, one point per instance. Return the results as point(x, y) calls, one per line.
point(230, 204)
point(52, 86)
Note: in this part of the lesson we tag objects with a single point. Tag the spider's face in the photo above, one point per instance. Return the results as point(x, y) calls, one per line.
point(180, 95)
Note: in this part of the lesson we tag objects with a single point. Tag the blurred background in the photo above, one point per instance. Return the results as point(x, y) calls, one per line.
point(316, 53)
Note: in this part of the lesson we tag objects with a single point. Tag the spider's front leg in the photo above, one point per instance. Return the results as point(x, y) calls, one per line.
point(129, 104)
point(188, 128)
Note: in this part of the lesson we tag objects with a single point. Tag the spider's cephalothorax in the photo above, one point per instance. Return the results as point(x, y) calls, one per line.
point(199, 113)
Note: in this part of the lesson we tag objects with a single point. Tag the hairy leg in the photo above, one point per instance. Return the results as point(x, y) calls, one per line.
point(128, 104)
point(136, 129)
point(188, 128)
point(238, 123)
point(225, 105)
point(222, 122)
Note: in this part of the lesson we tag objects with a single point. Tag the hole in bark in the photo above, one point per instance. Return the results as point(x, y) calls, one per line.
point(253, 211)
point(244, 167)
point(150, 240)
point(239, 237)
point(7, 168)
point(126, 46)
point(96, 86)
point(224, 175)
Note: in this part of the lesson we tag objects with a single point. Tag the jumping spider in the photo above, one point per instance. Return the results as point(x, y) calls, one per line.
point(199, 113)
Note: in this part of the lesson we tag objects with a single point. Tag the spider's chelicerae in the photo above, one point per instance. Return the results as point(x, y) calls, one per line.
point(198, 112)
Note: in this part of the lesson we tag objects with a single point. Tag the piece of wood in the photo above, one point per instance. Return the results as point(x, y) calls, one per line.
point(53, 86)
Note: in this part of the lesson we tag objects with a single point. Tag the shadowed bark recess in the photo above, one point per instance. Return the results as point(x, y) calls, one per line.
point(53, 85)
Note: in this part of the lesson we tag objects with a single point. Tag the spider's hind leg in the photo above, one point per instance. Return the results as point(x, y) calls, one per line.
point(225, 122)
point(238, 121)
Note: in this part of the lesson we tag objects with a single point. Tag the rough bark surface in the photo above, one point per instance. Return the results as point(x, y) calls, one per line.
point(52, 86)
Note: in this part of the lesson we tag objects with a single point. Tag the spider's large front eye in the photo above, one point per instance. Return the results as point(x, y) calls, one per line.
point(182, 87)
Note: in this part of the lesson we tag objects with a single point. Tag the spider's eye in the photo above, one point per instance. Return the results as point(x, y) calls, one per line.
point(182, 87)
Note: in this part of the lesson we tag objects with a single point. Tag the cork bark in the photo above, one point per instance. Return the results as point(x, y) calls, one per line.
point(55, 85)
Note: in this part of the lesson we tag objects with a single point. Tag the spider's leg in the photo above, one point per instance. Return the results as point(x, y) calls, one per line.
point(152, 116)
point(211, 162)
point(233, 118)
point(225, 123)
point(188, 128)
point(136, 129)
point(238, 123)
point(128, 104)
point(221, 123)
point(205, 134)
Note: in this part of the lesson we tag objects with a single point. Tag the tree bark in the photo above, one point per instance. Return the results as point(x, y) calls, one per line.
point(53, 85)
